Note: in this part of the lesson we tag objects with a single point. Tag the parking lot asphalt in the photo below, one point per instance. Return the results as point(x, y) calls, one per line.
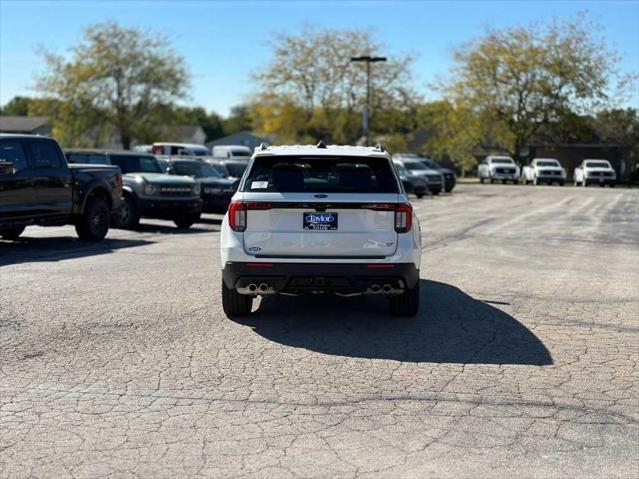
point(116, 358)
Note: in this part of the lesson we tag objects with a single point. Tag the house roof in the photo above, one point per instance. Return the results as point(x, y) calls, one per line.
point(22, 124)
point(239, 138)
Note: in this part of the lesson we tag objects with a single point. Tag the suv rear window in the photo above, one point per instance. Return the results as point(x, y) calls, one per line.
point(321, 174)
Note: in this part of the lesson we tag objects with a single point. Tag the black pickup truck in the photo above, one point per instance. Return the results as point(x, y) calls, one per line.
point(38, 187)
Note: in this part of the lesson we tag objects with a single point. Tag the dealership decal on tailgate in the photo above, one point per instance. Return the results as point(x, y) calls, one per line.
point(320, 221)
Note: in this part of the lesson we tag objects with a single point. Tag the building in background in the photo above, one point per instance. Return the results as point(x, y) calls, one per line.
point(26, 125)
point(245, 138)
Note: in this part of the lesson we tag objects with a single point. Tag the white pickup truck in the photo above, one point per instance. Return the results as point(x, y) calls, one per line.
point(498, 168)
point(595, 172)
point(543, 170)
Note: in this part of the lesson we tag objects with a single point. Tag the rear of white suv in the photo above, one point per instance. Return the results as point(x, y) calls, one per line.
point(309, 219)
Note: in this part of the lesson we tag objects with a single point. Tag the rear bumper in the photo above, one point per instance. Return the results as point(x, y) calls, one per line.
point(302, 277)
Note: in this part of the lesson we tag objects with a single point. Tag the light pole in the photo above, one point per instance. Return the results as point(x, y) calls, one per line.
point(368, 59)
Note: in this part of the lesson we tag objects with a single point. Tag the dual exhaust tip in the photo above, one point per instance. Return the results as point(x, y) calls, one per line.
point(262, 288)
point(376, 288)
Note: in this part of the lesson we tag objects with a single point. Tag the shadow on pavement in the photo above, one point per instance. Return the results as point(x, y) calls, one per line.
point(451, 327)
point(29, 250)
point(210, 221)
point(167, 230)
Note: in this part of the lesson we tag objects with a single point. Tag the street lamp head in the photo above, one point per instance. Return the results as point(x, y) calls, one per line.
point(368, 58)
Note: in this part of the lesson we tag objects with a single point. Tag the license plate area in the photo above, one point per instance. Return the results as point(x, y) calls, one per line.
point(319, 221)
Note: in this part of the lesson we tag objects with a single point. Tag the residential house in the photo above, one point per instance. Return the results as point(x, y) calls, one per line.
point(26, 125)
point(246, 138)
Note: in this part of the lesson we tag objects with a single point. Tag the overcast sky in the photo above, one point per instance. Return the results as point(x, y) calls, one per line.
point(224, 42)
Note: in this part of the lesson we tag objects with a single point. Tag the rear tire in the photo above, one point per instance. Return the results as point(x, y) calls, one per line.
point(481, 180)
point(406, 304)
point(127, 215)
point(12, 233)
point(419, 195)
point(234, 303)
point(94, 223)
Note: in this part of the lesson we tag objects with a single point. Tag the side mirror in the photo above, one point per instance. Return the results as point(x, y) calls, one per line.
point(7, 168)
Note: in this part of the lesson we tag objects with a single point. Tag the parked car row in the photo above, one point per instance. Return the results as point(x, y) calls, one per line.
point(94, 189)
point(545, 170)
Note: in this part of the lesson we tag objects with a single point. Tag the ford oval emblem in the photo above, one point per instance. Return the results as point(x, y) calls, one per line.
point(321, 195)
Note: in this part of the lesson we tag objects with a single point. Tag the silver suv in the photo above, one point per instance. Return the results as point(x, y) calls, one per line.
point(147, 191)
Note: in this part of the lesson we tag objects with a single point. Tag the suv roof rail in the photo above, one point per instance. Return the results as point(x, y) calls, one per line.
point(380, 147)
point(321, 144)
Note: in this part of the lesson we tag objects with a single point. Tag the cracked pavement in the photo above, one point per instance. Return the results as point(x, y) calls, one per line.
point(117, 361)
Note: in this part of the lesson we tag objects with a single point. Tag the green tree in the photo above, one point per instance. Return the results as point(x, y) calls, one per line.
point(117, 79)
point(523, 78)
point(238, 120)
point(456, 132)
point(211, 123)
point(312, 71)
point(621, 126)
point(17, 106)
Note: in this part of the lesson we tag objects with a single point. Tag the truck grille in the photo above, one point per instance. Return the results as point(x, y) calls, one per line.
point(174, 191)
point(549, 173)
point(505, 171)
point(606, 174)
point(434, 178)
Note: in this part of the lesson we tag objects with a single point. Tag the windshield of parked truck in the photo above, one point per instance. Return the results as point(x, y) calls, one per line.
point(502, 161)
point(414, 165)
point(321, 174)
point(136, 164)
point(597, 164)
point(236, 169)
point(194, 169)
point(221, 169)
point(401, 169)
point(433, 165)
point(548, 163)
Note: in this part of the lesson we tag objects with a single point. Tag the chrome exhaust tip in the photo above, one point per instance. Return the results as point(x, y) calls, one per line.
point(375, 288)
point(252, 287)
point(387, 288)
point(263, 288)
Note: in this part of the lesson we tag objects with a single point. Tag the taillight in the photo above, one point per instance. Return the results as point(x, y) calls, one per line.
point(403, 217)
point(403, 214)
point(237, 213)
point(237, 216)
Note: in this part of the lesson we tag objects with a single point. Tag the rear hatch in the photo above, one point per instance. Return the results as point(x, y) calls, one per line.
point(318, 206)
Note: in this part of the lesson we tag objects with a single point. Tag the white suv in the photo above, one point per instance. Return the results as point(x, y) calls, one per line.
point(309, 219)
